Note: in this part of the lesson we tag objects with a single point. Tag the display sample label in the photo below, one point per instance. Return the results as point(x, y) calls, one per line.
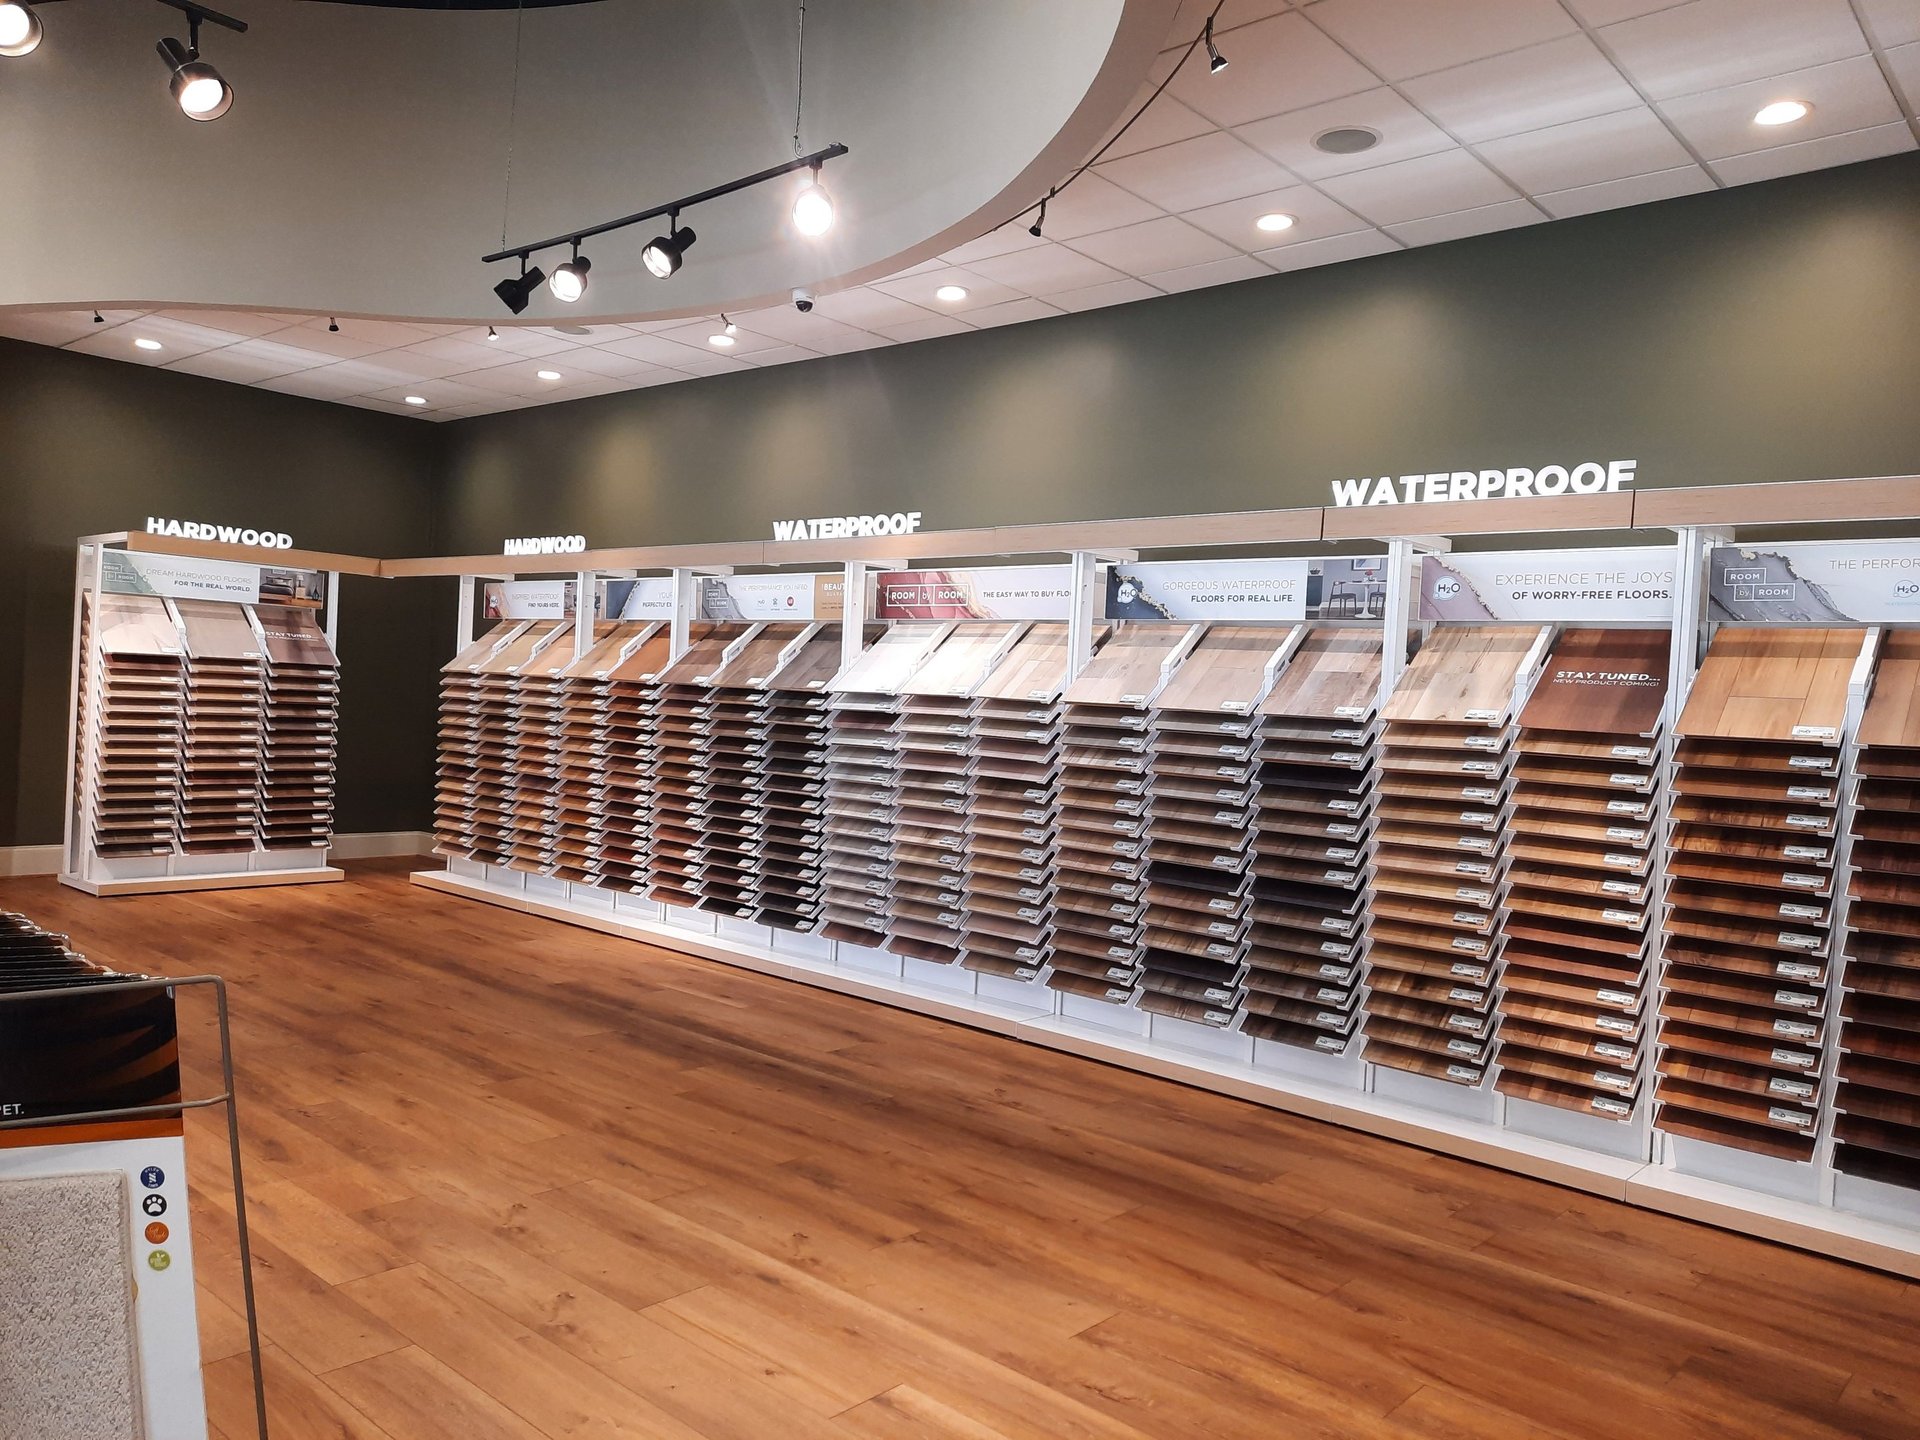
point(1589, 477)
point(1633, 583)
point(1815, 581)
point(1349, 588)
point(996, 592)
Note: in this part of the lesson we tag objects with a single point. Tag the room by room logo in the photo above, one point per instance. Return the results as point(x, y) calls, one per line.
point(1590, 477)
point(224, 534)
point(546, 545)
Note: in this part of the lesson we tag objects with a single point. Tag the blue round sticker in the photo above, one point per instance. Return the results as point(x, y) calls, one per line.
point(153, 1177)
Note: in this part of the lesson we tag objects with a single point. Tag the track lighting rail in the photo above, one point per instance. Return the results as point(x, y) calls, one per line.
point(574, 237)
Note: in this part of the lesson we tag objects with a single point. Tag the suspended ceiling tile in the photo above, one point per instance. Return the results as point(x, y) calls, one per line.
point(1214, 272)
point(713, 364)
point(320, 341)
point(1013, 312)
point(867, 308)
point(387, 334)
point(1315, 217)
point(1402, 38)
point(235, 363)
point(1047, 270)
point(1688, 179)
point(1233, 13)
point(1509, 215)
point(176, 341)
point(594, 360)
point(458, 354)
point(1202, 171)
point(315, 385)
point(927, 329)
point(518, 340)
point(1164, 244)
point(1905, 63)
point(1587, 152)
point(1416, 189)
point(1404, 133)
point(1846, 96)
point(783, 322)
point(385, 407)
point(1330, 251)
point(1711, 44)
point(59, 327)
point(778, 355)
point(439, 394)
point(1097, 297)
point(643, 349)
point(281, 358)
point(1092, 204)
point(1550, 84)
point(235, 322)
point(845, 340)
point(921, 289)
point(1607, 12)
point(1272, 65)
point(1891, 22)
point(1815, 154)
point(696, 335)
point(518, 379)
point(1164, 122)
point(1003, 240)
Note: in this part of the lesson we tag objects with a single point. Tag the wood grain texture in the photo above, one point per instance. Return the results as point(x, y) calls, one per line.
point(1760, 683)
point(1605, 682)
point(1462, 671)
point(1892, 715)
point(515, 1181)
point(1333, 670)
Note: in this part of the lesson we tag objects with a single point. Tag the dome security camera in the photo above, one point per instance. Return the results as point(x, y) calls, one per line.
point(803, 300)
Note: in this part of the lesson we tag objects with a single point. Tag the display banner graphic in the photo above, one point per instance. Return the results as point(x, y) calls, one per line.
point(990, 592)
point(772, 597)
point(1815, 582)
point(179, 577)
point(1512, 482)
point(1630, 583)
point(1342, 588)
point(648, 598)
point(529, 599)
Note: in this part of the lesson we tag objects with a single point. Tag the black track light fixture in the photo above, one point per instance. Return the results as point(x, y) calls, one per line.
point(333, 325)
point(665, 252)
point(515, 292)
point(569, 279)
point(492, 334)
point(201, 92)
point(98, 318)
point(1040, 221)
point(1216, 62)
point(20, 30)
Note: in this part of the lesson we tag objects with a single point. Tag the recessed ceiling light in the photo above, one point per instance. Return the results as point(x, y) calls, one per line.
point(952, 294)
point(1275, 221)
point(1346, 140)
point(549, 374)
point(1782, 112)
point(416, 399)
point(723, 340)
point(146, 344)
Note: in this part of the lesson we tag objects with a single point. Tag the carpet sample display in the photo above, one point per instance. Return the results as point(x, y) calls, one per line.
point(69, 1366)
point(1312, 855)
point(1575, 986)
point(1746, 1012)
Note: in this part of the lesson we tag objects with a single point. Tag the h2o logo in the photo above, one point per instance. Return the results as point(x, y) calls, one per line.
point(1446, 588)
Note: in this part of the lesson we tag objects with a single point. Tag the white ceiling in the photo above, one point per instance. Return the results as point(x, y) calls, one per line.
point(1493, 114)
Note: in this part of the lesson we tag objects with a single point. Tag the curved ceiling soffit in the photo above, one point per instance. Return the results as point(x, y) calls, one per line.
point(958, 117)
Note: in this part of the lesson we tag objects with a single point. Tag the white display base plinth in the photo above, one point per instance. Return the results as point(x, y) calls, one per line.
point(1272, 1081)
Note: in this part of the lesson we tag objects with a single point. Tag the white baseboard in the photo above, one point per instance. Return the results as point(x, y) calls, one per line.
point(366, 845)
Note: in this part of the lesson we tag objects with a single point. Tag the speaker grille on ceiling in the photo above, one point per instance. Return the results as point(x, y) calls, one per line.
point(1346, 140)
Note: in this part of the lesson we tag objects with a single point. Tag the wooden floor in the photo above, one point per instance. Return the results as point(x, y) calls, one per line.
point(512, 1180)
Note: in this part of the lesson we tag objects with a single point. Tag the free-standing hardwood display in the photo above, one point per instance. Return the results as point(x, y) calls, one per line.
point(478, 742)
point(584, 744)
point(684, 768)
point(302, 722)
point(1877, 1101)
point(1106, 791)
point(1749, 948)
point(1200, 824)
point(1307, 944)
point(1446, 780)
point(537, 754)
point(1575, 992)
point(621, 827)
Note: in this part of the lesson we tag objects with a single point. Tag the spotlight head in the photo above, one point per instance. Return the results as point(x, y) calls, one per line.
point(516, 290)
point(492, 334)
point(333, 326)
point(569, 280)
point(197, 87)
point(1216, 62)
point(664, 253)
point(19, 28)
point(813, 208)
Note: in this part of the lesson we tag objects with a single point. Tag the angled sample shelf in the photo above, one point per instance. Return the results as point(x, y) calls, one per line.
point(133, 690)
point(683, 770)
point(223, 741)
point(1312, 854)
point(1439, 881)
point(620, 811)
point(1746, 1008)
point(1576, 992)
point(296, 789)
point(538, 741)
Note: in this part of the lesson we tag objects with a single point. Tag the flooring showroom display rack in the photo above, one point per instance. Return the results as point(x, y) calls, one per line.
point(1396, 865)
point(204, 703)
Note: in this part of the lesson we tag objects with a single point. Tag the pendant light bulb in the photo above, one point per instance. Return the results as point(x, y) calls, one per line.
point(198, 89)
point(569, 281)
point(1216, 62)
point(664, 253)
point(813, 208)
point(20, 31)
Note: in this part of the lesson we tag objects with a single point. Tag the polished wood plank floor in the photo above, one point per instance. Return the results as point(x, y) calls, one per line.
point(512, 1180)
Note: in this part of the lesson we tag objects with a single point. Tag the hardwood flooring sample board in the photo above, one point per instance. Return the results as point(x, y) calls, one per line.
point(1772, 683)
point(1463, 675)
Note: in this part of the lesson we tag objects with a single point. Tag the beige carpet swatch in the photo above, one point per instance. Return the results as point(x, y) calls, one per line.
point(68, 1362)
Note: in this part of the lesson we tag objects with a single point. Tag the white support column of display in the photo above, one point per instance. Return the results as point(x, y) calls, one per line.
point(1396, 624)
point(85, 567)
point(333, 611)
point(1086, 603)
point(463, 618)
point(853, 611)
point(586, 611)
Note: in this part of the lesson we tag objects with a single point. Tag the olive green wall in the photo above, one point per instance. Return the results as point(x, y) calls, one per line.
point(90, 445)
point(1762, 333)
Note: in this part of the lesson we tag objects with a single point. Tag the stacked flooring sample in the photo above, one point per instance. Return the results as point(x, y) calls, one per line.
point(1575, 991)
point(1312, 863)
point(1446, 791)
point(1747, 1005)
point(206, 727)
point(1877, 1127)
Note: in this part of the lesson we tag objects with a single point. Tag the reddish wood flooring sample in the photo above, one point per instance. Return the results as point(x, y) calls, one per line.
point(516, 1181)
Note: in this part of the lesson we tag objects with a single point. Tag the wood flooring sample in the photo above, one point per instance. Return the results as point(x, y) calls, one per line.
point(1772, 683)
